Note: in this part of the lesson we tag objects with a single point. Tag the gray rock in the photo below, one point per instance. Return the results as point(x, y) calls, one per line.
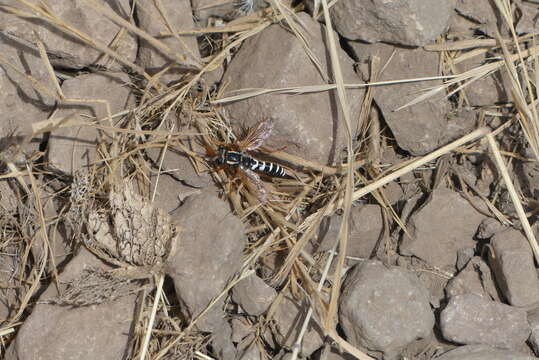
point(528, 18)
point(475, 278)
point(223, 347)
point(61, 332)
point(473, 16)
point(441, 227)
point(251, 351)
point(410, 23)
point(310, 124)
point(287, 321)
point(21, 104)
point(204, 9)
point(488, 228)
point(253, 295)
point(206, 258)
point(331, 354)
point(435, 284)
point(512, 262)
point(470, 319)
point(528, 178)
point(240, 329)
point(74, 147)
point(419, 128)
point(153, 20)
point(168, 192)
point(366, 226)
point(180, 167)
point(464, 255)
point(482, 352)
point(285, 355)
point(533, 320)
point(384, 309)
point(66, 49)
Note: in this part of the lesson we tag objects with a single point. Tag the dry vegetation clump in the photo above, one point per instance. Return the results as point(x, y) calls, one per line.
point(108, 208)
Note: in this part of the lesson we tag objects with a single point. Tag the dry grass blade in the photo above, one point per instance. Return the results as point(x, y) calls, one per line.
point(158, 296)
point(4, 332)
point(297, 90)
point(529, 118)
point(471, 76)
point(358, 194)
point(479, 133)
point(514, 196)
point(473, 43)
point(331, 319)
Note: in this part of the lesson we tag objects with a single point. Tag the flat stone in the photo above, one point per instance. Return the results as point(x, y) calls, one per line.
point(475, 278)
point(332, 354)
point(384, 309)
point(221, 341)
point(241, 329)
point(528, 18)
point(488, 228)
point(154, 22)
point(514, 268)
point(472, 320)
point(49, 332)
point(74, 147)
point(21, 104)
point(366, 226)
point(310, 125)
point(533, 320)
point(180, 167)
point(253, 295)
point(441, 227)
point(473, 16)
point(287, 322)
point(206, 258)
point(410, 23)
point(419, 128)
point(67, 50)
point(435, 285)
point(482, 352)
point(251, 351)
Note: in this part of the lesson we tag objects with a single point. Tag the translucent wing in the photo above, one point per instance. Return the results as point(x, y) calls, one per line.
point(261, 191)
point(256, 135)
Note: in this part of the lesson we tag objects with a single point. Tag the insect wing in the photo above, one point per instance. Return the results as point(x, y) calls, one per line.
point(261, 191)
point(256, 135)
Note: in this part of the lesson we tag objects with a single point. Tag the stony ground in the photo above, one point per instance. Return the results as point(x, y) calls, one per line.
point(405, 227)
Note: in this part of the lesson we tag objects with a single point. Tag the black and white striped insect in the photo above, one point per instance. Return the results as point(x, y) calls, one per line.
point(236, 155)
point(245, 162)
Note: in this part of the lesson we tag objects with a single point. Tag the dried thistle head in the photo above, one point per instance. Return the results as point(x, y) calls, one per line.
point(132, 231)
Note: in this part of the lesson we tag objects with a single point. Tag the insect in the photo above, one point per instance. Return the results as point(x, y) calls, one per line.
point(245, 162)
point(236, 155)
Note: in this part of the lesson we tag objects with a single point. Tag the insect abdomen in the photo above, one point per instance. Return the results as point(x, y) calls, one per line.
point(268, 168)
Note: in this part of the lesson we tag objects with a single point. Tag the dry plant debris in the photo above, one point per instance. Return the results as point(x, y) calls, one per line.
point(96, 286)
point(436, 140)
point(131, 230)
